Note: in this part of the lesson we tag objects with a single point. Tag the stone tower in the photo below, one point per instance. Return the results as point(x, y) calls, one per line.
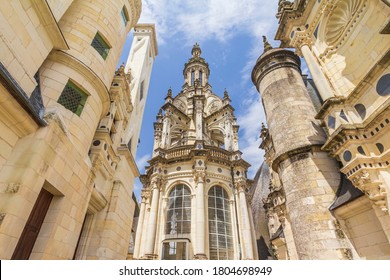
point(195, 195)
point(307, 176)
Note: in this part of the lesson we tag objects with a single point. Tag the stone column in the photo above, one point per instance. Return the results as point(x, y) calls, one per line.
point(317, 74)
point(144, 196)
point(245, 226)
point(200, 243)
point(152, 223)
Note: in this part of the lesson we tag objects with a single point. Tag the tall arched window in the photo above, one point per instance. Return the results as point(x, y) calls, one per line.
point(201, 77)
point(192, 77)
point(220, 225)
point(179, 211)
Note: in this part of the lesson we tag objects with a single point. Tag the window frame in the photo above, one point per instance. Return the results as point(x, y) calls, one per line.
point(84, 96)
point(99, 39)
point(125, 15)
point(227, 223)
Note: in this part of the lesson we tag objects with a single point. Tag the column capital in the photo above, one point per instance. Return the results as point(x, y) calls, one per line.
point(199, 176)
point(300, 39)
point(241, 185)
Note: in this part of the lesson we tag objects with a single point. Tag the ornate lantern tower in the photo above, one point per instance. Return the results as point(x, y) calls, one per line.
point(195, 195)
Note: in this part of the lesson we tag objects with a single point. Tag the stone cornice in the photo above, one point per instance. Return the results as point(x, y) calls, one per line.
point(295, 152)
point(373, 125)
point(49, 22)
point(264, 66)
point(124, 150)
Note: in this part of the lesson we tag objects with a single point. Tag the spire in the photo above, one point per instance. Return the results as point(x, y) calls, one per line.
point(196, 51)
point(267, 46)
point(169, 93)
point(168, 98)
point(226, 97)
point(159, 116)
point(121, 70)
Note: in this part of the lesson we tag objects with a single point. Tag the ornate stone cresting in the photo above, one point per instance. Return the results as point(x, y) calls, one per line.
point(284, 6)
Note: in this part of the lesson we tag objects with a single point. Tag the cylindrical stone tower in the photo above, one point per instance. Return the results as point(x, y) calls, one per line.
point(309, 177)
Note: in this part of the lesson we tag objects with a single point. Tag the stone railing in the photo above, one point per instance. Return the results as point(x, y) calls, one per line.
point(180, 152)
point(219, 153)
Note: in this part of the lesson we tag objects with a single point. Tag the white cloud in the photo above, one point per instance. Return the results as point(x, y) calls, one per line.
point(142, 162)
point(222, 19)
point(198, 21)
point(250, 121)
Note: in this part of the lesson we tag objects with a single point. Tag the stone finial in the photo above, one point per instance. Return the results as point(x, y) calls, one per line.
point(196, 51)
point(169, 93)
point(263, 132)
point(267, 45)
point(121, 70)
point(225, 94)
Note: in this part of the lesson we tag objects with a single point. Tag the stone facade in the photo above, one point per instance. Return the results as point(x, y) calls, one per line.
point(195, 195)
point(66, 171)
point(346, 47)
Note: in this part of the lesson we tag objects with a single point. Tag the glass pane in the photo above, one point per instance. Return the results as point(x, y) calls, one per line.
point(179, 210)
point(220, 228)
point(174, 250)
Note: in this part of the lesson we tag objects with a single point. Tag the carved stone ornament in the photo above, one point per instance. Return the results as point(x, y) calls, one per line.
point(2, 216)
point(372, 188)
point(199, 176)
point(340, 20)
point(54, 115)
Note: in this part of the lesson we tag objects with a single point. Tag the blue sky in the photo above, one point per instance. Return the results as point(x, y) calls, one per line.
point(229, 34)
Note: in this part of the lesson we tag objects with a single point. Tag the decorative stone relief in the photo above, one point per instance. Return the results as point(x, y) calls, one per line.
point(340, 19)
point(372, 188)
point(2, 216)
point(54, 114)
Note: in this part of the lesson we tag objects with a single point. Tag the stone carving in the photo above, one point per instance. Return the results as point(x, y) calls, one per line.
point(372, 188)
point(340, 19)
point(284, 5)
point(53, 114)
point(199, 176)
point(2, 216)
point(12, 188)
point(347, 253)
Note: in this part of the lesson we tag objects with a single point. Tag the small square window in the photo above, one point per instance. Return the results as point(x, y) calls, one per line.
point(100, 45)
point(73, 98)
point(124, 15)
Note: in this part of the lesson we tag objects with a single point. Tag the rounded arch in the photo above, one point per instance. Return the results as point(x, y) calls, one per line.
point(169, 188)
point(227, 188)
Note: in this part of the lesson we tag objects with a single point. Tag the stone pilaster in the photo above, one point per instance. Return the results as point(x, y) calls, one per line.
point(200, 241)
point(246, 225)
point(152, 223)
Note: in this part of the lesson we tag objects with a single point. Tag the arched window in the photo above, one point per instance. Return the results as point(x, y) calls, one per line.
point(192, 77)
point(220, 225)
point(179, 211)
point(201, 77)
